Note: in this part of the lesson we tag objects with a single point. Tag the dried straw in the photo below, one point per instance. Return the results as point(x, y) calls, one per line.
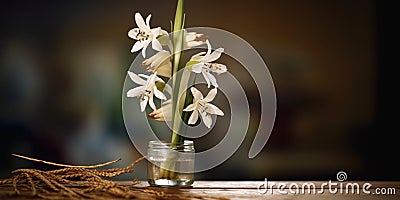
point(84, 182)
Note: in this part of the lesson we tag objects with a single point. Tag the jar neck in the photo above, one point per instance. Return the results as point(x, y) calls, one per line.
point(156, 144)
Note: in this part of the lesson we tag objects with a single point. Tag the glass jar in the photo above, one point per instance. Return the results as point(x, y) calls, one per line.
point(170, 165)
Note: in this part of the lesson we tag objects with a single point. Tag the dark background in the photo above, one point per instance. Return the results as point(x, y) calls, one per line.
point(63, 65)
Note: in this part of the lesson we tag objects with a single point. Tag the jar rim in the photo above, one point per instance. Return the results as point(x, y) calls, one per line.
point(169, 142)
point(165, 143)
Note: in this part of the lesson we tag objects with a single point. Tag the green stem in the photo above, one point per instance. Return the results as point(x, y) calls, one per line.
point(179, 85)
point(177, 65)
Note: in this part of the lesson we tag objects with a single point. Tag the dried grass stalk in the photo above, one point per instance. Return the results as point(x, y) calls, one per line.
point(84, 182)
point(70, 182)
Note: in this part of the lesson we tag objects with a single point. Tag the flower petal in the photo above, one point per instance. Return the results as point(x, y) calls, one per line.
point(205, 75)
point(144, 76)
point(148, 20)
point(158, 79)
point(156, 45)
point(151, 103)
point(135, 78)
point(145, 44)
point(212, 109)
point(211, 95)
point(157, 115)
point(135, 91)
point(190, 107)
point(143, 103)
point(206, 119)
point(196, 94)
point(217, 68)
point(149, 61)
point(197, 67)
point(137, 46)
point(208, 48)
point(193, 117)
point(164, 113)
point(159, 94)
point(212, 79)
point(156, 59)
point(214, 55)
point(193, 39)
point(191, 44)
point(151, 81)
point(133, 33)
point(198, 57)
point(163, 32)
point(190, 36)
point(155, 32)
point(140, 22)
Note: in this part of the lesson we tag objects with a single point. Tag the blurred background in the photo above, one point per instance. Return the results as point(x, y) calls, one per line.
point(63, 65)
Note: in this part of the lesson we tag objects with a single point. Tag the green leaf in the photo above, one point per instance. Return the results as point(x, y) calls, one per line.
point(178, 23)
point(177, 61)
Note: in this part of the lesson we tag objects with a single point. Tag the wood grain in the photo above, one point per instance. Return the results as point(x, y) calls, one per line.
point(249, 190)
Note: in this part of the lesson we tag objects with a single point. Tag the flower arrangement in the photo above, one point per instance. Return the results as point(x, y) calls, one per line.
point(166, 63)
point(167, 66)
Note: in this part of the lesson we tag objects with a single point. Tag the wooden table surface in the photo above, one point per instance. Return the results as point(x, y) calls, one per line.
point(249, 190)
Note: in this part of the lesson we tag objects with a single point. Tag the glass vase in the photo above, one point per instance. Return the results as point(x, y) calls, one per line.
point(170, 165)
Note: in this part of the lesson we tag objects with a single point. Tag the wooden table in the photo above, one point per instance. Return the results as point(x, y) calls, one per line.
point(252, 190)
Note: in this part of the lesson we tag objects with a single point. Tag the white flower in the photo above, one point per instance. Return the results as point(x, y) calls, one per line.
point(147, 89)
point(144, 35)
point(193, 39)
point(201, 105)
point(201, 63)
point(164, 113)
point(160, 63)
